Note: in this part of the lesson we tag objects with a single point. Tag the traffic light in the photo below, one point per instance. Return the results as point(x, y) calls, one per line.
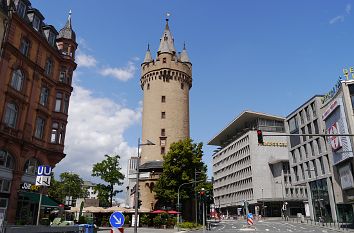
point(202, 195)
point(139, 204)
point(260, 137)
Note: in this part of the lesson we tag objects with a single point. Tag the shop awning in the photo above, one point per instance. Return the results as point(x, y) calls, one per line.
point(34, 198)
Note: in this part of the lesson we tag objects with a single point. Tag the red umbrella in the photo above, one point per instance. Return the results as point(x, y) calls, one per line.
point(173, 212)
point(158, 211)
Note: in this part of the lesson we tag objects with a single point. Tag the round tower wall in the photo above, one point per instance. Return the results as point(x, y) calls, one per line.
point(172, 80)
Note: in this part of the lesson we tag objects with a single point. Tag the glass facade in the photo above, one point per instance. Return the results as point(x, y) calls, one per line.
point(320, 200)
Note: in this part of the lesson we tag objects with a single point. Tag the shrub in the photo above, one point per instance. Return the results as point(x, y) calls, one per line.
point(82, 220)
point(144, 219)
point(127, 219)
point(188, 225)
point(171, 221)
point(157, 221)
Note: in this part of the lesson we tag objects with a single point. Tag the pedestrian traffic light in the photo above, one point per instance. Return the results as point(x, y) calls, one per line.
point(260, 137)
point(139, 204)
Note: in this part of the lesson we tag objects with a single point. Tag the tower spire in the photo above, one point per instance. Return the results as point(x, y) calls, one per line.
point(167, 41)
point(67, 31)
point(148, 57)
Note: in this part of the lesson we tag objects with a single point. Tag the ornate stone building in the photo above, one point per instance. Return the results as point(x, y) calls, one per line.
point(166, 82)
point(36, 68)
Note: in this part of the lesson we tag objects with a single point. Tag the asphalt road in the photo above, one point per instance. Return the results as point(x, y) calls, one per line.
point(232, 226)
point(267, 226)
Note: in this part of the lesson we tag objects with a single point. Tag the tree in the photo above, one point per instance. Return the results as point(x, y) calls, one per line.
point(109, 171)
point(69, 184)
point(183, 159)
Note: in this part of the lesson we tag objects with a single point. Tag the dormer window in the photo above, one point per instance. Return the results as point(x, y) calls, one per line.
point(51, 38)
point(36, 23)
point(21, 9)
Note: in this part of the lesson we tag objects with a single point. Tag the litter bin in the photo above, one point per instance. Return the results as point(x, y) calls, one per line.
point(87, 228)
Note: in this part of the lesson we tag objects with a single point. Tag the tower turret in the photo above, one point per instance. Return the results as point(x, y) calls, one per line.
point(66, 40)
point(166, 82)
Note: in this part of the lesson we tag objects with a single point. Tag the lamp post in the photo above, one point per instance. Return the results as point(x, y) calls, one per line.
point(282, 193)
point(136, 194)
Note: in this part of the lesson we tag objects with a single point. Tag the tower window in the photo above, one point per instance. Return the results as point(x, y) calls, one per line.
point(162, 150)
point(182, 85)
point(163, 142)
point(163, 115)
point(148, 86)
point(163, 132)
point(164, 60)
point(163, 99)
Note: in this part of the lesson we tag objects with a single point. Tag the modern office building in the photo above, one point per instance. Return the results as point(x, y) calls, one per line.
point(245, 171)
point(36, 69)
point(165, 81)
point(310, 160)
point(337, 114)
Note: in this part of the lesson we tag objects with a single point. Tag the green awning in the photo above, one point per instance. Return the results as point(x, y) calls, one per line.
point(34, 198)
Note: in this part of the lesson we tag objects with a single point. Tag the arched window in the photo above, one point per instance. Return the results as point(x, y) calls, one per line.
point(31, 166)
point(11, 113)
point(6, 159)
point(17, 80)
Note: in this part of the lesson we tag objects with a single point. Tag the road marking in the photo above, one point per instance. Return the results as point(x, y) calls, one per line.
point(267, 229)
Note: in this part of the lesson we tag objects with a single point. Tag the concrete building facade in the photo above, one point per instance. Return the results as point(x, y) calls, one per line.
point(338, 117)
point(36, 68)
point(245, 171)
point(165, 81)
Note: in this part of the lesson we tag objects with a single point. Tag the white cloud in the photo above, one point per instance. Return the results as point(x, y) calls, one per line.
point(348, 8)
point(84, 60)
point(123, 73)
point(95, 128)
point(339, 18)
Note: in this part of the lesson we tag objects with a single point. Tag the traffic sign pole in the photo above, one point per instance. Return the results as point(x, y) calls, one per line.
point(39, 206)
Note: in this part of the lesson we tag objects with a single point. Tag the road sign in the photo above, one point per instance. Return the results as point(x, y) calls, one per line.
point(250, 215)
point(44, 171)
point(250, 219)
point(43, 180)
point(116, 219)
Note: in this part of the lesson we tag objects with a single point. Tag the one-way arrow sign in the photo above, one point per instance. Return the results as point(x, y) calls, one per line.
point(116, 219)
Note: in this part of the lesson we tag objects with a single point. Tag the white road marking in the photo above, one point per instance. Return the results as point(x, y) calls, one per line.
point(267, 229)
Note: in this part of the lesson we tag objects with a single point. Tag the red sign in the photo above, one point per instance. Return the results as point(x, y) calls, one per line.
point(335, 140)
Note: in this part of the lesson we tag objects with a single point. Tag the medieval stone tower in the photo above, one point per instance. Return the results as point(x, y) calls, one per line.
point(165, 82)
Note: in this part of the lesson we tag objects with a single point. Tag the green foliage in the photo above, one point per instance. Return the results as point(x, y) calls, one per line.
point(126, 219)
point(171, 221)
point(70, 184)
point(179, 166)
point(144, 219)
point(103, 194)
point(109, 171)
point(188, 225)
point(82, 220)
point(157, 221)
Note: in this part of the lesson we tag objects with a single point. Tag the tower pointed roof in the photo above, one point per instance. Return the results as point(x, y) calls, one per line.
point(67, 32)
point(148, 57)
point(184, 55)
point(167, 41)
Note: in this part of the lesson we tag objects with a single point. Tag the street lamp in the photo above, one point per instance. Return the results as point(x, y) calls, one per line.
point(136, 194)
point(282, 193)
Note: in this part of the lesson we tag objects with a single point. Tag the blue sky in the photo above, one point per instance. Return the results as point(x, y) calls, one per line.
point(266, 56)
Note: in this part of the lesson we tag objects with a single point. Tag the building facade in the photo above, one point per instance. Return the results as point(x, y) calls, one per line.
point(310, 160)
point(36, 68)
point(3, 19)
point(165, 81)
point(338, 118)
point(247, 172)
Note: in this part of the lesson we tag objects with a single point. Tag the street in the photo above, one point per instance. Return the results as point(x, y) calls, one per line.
point(231, 226)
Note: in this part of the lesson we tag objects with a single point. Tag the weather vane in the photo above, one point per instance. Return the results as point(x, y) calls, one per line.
point(167, 15)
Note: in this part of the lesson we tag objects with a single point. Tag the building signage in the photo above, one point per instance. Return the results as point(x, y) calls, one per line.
point(348, 73)
point(29, 187)
point(346, 177)
point(279, 144)
point(336, 123)
point(330, 109)
point(43, 176)
point(336, 142)
point(332, 92)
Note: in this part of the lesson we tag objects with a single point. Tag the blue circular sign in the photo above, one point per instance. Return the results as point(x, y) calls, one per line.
point(116, 219)
point(250, 215)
